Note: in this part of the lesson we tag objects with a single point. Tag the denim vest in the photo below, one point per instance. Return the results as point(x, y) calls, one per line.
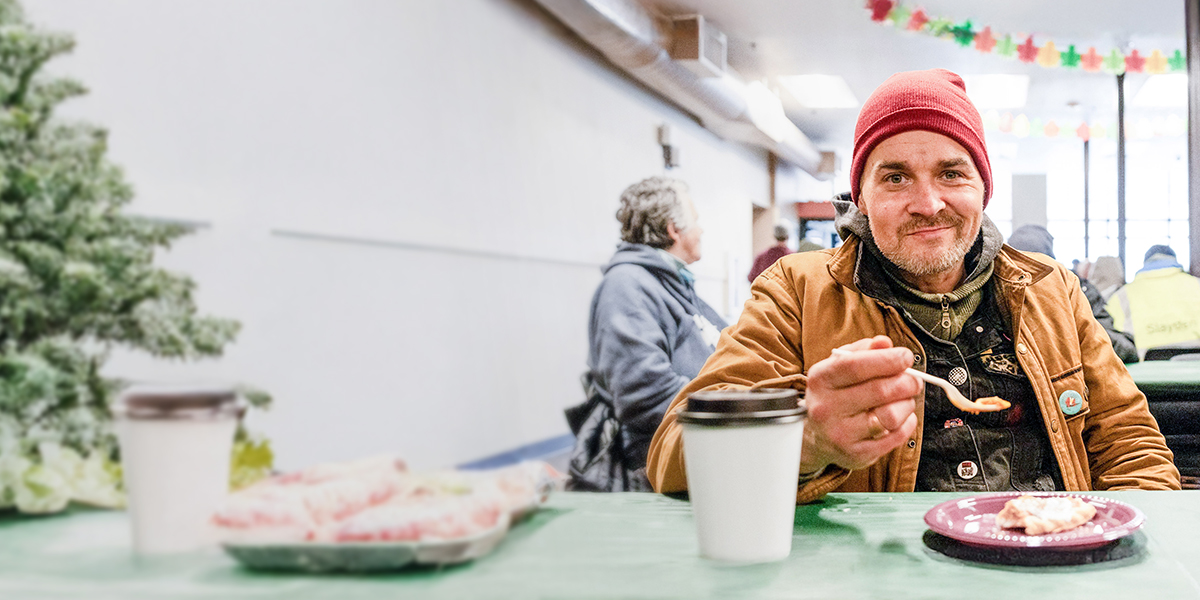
point(990, 452)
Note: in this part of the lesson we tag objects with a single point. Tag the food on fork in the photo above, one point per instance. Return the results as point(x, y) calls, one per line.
point(995, 401)
point(989, 404)
point(1048, 514)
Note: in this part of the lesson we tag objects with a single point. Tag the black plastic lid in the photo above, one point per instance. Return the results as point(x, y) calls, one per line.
point(174, 402)
point(743, 406)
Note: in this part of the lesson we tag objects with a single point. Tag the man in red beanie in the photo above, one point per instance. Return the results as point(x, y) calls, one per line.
point(924, 281)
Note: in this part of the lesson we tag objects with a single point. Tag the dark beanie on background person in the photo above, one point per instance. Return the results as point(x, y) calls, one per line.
point(1159, 249)
point(1032, 238)
point(934, 100)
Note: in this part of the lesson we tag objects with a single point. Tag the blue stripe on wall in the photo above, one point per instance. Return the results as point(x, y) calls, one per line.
point(535, 451)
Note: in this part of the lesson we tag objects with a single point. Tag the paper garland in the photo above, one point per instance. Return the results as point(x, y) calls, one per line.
point(1022, 126)
point(1047, 55)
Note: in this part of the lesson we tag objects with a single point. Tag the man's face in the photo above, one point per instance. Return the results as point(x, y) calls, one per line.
point(923, 198)
point(687, 240)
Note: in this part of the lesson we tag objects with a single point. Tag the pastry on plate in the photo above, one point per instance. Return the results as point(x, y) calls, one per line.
point(1039, 515)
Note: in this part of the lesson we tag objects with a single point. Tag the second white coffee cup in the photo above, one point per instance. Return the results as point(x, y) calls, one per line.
point(175, 451)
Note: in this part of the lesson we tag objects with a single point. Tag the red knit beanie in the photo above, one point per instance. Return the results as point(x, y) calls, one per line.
point(934, 100)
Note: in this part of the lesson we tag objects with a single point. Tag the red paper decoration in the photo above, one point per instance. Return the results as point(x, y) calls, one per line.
point(984, 42)
point(1134, 63)
point(1091, 61)
point(1027, 52)
point(917, 20)
point(880, 9)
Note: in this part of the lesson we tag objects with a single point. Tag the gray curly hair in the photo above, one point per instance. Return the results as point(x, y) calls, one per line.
point(646, 208)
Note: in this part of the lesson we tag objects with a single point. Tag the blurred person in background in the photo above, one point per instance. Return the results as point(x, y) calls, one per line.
point(1107, 275)
point(1035, 238)
point(807, 245)
point(648, 334)
point(768, 257)
point(1161, 306)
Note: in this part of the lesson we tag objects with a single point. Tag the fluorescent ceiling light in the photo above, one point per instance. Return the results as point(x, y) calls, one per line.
point(1163, 91)
point(819, 91)
point(766, 112)
point(997, 91)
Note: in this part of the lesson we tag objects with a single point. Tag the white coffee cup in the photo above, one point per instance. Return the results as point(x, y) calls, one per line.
point(742, 455)
point(176, 445)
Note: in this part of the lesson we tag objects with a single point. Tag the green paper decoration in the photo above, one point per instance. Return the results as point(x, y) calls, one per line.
point(1178, 62)
point(1070, 58)
point(1006, 47)
point(940, 27)
point(963, 34)
point(1115, 63)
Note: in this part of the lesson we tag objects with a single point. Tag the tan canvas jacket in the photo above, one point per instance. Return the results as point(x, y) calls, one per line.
point(807, 304)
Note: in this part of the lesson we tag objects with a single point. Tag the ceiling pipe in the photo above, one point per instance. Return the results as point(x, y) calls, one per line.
point(637, 41)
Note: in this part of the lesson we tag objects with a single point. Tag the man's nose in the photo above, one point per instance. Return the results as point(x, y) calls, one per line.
point(926, 199)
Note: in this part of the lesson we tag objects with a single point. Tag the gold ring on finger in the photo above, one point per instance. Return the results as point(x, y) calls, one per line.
point(875, 428)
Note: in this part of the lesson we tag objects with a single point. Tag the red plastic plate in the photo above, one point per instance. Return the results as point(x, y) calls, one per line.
point(972, 520)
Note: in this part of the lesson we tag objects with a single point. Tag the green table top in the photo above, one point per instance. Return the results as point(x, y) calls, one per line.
point(1167, 376)
point(624, 545)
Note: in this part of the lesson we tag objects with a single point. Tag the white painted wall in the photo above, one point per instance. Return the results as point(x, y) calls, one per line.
point(474, 149)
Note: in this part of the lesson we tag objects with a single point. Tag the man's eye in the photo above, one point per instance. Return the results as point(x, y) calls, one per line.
point(953, 175)
point(894, 178)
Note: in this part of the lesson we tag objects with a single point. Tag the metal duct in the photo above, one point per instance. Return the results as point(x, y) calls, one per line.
point(635, 40)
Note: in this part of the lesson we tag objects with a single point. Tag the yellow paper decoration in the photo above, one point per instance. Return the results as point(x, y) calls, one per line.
point(1048, 56)
point(1156, 63)
point(1020, 126)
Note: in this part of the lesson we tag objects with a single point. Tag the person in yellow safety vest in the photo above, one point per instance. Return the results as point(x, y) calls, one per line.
point(1161, 306)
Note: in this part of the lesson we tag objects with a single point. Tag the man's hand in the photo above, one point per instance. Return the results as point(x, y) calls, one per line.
point(860, 406)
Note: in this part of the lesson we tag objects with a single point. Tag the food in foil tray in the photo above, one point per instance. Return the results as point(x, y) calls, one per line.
point(374, 513)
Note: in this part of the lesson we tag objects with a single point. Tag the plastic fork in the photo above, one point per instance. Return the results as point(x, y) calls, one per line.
point(956, 398)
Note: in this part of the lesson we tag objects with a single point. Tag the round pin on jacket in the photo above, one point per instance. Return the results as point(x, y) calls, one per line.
point(967, 469)
point(1071, 402)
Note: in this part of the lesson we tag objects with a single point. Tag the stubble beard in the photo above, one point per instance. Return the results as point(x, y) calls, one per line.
point(919, 262)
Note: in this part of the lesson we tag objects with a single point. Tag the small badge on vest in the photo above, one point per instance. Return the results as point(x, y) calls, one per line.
point(958, 376)
point(967, 469)
point(1071, 402)
point(1001, 363)
point(952, 423)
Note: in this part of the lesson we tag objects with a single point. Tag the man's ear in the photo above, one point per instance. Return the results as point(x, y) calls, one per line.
point(673, 233)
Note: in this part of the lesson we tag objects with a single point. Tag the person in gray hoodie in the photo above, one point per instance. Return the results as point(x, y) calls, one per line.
point(649, 334)
point(1035, 238)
